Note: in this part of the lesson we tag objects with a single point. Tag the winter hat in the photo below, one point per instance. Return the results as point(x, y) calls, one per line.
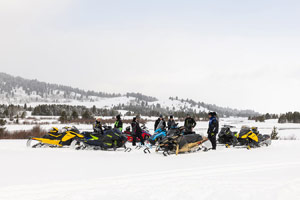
point(212, 113)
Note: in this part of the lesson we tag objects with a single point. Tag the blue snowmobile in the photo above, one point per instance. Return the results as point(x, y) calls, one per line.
point(158, 135)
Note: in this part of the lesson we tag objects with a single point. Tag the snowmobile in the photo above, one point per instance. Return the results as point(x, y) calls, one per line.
point(176, 130)
point(171, 132)
point(88, 135)
point(56, 138)
point(226, 136)
point(251, 138)
point(159, 134)
point(111, 139)
point(145, 134)
point(179, 143)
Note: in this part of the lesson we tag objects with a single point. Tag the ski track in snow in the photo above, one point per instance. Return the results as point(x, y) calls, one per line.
point(42, 174)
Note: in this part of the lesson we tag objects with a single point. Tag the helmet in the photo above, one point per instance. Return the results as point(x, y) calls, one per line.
point(118, 116)
point(171, 116)
point(160, 116)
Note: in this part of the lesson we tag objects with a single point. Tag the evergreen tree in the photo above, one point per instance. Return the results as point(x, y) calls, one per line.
point(274, 134)
point(63, 117)
point(94, 109)
point(2, 124)
point(17, 120)
point(74, 115)
point(267, 116)
point(86, 115)
point(23, 116)
point(6, 113)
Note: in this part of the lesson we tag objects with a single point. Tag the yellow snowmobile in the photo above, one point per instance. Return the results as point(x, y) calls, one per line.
point(56, 138)
point(252, 138)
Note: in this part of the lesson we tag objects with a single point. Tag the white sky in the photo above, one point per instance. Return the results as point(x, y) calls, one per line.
point(239, 54)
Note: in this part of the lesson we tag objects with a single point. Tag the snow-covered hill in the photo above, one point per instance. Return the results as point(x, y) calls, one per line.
point(17, 90)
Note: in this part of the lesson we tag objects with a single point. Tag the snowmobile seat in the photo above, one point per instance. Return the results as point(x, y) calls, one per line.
point(189, 139)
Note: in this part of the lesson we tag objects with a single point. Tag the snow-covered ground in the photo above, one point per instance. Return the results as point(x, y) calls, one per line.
point(234, 174)
point(41, 174)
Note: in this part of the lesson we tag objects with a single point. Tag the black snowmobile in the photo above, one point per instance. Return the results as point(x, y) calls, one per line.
point(176, 143)
point(226, 136)
point(111, 139)
point(175, 130)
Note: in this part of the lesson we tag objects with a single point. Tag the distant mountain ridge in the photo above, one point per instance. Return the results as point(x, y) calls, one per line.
point(10, 85)
point(18, 90)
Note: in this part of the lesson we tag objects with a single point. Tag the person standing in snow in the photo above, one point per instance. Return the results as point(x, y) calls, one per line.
point(213, 129)
point(171, 123)
point(119, 123)
point(189, 124)
point(97, 126)
point(160, 123)
point(136, 131)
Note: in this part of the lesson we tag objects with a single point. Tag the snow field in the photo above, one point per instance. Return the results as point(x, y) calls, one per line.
point(235, 173)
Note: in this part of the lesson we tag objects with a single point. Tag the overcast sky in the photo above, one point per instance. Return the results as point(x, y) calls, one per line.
point(242, 54)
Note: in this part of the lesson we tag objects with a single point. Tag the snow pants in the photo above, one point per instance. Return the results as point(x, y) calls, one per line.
point(137, 136)
point(213, 140)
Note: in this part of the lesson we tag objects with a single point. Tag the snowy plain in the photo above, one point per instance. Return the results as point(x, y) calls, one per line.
point(236, 173)
point(43, 174)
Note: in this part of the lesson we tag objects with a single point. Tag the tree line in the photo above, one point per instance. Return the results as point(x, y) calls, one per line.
point(262, 118)
point(289, 117)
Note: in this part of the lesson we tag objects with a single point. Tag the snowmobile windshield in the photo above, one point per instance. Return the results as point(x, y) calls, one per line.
point(173, 131)
point(224, 130)
point(160, 125)
point(63, 130)
point(74, 129)
point(244, 131)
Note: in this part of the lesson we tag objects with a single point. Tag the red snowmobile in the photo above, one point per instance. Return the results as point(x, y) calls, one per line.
point(145, 134)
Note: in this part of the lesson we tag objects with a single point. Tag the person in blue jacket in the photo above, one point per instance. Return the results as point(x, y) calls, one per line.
point(213, 129)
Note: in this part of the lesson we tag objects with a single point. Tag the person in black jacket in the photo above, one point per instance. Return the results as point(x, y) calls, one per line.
point(189, 124)
point(97, 127)
point(213, 129)
point(136, 131)
point(119, 123)
point(160, 123)
point(171, 123)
